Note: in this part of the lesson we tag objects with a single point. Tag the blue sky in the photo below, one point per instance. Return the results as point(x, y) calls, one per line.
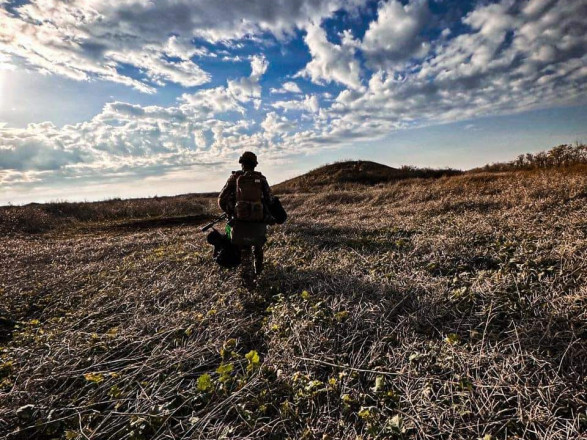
point(107, 98)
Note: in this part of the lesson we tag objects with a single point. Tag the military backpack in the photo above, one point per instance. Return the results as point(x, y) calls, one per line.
point(249, 197)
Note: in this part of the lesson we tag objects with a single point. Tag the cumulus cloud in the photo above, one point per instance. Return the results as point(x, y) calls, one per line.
point(129, 136)
point(222, 19)
point(208, 102)
point(245, 89)
point(310, 103)
point(503, 56)
point(510, 60)
point(287, 87)
point(396, 33)
point(276, 124)
point(510, 49)
point(330, 62)
point(84, 39)
point(37, 153)
point(184, 49)
point(160, 71)
point(75, 40)
point(212, 101)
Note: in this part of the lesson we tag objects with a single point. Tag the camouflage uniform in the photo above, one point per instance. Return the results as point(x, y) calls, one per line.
point(227, 202)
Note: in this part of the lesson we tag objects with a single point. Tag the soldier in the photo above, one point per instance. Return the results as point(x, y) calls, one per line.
point(245, 198)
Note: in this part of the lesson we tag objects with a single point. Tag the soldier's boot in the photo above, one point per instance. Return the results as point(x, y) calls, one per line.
point(247, 271)
point(258, 260)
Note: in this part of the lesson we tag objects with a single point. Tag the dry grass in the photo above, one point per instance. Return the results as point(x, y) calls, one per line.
point(453, 308)
point(35, 218)
point(563, 156)
point(352, 174)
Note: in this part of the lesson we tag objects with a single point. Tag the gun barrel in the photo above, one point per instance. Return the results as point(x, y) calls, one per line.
point(209, 225)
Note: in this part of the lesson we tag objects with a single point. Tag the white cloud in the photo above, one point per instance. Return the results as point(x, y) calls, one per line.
point(211, 101)
point(160, 71)
point(259, 66)
point(184, 49)
point(330, 62)
point(84, 39)
point(310, 103)
point(535, 7)
point(200, 139)
point(288, 87)
point(275, 124)
point(52, 43)
point(219, 20)
point(395, 35)
point(131, 137)
point(245, 89)
point(478, 73)
point(506, 58)
point(208, 102)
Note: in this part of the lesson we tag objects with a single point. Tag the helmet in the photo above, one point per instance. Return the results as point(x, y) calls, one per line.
point(248, 157)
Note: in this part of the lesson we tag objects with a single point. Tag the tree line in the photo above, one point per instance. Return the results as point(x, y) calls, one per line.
point(564, 155)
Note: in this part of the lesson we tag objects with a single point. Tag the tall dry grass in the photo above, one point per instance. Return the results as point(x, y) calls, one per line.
point(453, 308)
point(35, 218)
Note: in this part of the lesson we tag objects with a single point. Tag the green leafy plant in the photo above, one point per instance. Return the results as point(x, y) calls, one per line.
point(204, 383)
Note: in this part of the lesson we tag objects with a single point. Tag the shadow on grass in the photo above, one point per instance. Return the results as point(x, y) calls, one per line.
point(367, 241)
point(419, 312)
point(162, 222)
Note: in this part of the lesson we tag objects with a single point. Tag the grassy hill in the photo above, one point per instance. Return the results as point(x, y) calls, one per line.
point(351, 173)
point(413, 309)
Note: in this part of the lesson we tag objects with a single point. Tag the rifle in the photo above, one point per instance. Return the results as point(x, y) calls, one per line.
point(219, 219)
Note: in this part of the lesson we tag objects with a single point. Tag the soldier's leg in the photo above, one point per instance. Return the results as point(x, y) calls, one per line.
point(258, 250)
point(246, 269)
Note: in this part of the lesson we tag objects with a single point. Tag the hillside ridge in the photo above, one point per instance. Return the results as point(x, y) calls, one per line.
point(351, 172)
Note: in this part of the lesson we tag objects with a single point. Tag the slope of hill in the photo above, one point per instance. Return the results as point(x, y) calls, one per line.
point(349, 173)
point(42, 217)
point(415, 309)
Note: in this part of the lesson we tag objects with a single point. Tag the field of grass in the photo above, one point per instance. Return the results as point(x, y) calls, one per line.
point(419, 309)
point(35, 217)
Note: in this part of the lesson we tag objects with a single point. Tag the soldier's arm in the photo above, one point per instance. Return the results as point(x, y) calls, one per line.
point(267, 194)
point(267, 200)
point(227, 195)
